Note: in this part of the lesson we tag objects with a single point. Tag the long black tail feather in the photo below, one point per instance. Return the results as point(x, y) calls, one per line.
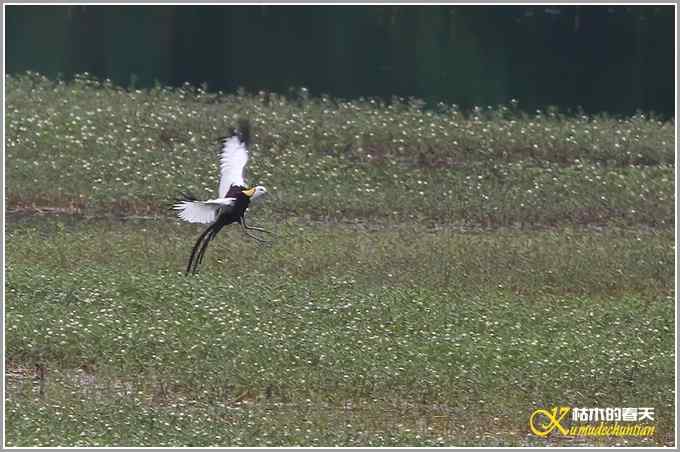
point(207, 240)
point(192, 266)
point(201, 245)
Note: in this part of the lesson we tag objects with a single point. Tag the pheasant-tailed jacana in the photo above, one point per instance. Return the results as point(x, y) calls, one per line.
point(233, 197)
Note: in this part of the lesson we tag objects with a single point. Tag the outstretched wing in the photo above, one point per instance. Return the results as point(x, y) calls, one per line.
point(191, 210)
point(233, 159)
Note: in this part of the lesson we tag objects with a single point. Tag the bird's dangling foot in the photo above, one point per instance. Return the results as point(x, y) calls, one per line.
point(260, 240)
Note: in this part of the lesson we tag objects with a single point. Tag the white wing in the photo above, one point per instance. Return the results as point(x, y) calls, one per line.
point(201, 211)
point(232, 162)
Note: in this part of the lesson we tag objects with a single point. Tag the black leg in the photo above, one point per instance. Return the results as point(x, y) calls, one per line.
point(253, 236)
point(253, 228)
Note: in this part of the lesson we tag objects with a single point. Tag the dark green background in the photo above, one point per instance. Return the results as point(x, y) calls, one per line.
point(603, 58)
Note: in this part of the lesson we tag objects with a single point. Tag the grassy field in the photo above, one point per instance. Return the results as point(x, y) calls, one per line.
point(435, 278)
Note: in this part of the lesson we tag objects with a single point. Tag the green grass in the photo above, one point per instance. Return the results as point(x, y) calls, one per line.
point(91, 146)
point(408, 325)
point(436, 275)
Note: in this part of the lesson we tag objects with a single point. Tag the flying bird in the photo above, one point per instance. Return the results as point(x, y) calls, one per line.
point(233, 196)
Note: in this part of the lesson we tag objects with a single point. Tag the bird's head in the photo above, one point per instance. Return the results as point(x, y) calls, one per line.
point(255, 192)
